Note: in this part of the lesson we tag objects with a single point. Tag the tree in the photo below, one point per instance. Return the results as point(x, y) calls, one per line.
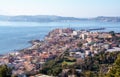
point(80, 44)
point(115, 70)
point(112, 33)
point(89, 74)
point(5, 71)
point(64, 65)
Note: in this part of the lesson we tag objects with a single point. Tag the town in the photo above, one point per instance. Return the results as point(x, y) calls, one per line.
point(78, 43)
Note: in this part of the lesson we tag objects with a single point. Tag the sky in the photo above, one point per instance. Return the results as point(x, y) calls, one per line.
point(71, 8)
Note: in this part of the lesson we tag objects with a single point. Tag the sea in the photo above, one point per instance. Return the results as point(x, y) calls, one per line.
point(15, 36)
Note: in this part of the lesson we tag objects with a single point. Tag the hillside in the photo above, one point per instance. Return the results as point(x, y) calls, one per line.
point(53, 18)
point(107, 19)
point(38, 18)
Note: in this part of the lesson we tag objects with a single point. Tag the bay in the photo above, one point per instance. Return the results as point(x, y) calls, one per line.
point(15, 35)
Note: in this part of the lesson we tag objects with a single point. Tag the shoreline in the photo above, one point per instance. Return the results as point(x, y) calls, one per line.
point(81, 43)
point(31, 42)
point(34, 42)
point(19, 50)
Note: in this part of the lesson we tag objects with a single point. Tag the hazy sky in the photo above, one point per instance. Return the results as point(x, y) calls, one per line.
point(75, 8)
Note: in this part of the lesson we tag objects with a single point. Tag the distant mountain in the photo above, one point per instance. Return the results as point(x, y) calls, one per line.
point(53, 18)
point(39, 18)
point(107, 19)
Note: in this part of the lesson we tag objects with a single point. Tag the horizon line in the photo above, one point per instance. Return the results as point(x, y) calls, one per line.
point(57, 15)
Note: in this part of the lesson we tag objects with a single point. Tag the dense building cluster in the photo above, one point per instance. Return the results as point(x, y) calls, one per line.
point(79, 44)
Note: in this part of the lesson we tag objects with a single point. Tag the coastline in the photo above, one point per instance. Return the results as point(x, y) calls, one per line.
point(56, 43)
point(21, 42)
point(33, 43)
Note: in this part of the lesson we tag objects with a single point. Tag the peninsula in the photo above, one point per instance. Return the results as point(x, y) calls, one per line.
point(65, 52)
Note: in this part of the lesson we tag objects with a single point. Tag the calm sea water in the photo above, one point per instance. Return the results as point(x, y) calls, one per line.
point(15, 35)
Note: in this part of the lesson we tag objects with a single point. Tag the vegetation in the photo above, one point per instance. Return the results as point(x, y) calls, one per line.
point(55, 67)
point(96, 66)
point(115, 69)
point(5, 71)
point(112, 33)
